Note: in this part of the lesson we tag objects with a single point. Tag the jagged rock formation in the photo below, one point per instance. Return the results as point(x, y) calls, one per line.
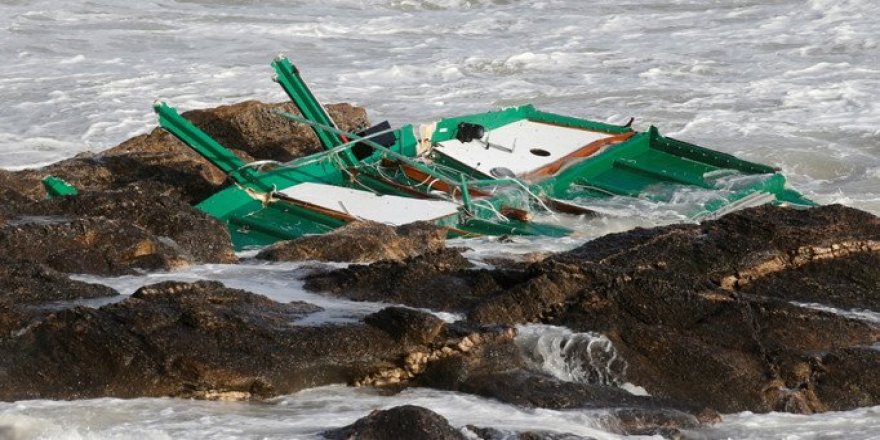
point(207, 341)
point(698, 311)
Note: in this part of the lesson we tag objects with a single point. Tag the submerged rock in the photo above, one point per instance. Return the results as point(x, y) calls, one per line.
point(250, 129)
point(400, 422)
point(361, 242)
point(498, 434)
point(499, 371)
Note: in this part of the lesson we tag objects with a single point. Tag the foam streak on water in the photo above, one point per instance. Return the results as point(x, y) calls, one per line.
point(299, 416)
point(282, 282)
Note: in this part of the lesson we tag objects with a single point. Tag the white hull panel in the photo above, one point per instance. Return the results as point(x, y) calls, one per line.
point(391, 210)
point(530, 146)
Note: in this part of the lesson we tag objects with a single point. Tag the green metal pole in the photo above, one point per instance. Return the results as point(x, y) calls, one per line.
point(288, 77)
point(355, 138)
point(465, 195)
point(203, 144)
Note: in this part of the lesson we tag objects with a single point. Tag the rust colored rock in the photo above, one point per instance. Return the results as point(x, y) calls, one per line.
point(254, 128)
point(361, 242)
point(401, 422)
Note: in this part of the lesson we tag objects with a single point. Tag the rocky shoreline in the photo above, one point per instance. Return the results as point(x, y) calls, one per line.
point(707, 318)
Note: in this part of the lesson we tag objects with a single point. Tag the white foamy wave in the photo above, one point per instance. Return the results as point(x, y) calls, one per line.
point(573, 357)
point(858, 314)
point(303, 415)
point(281, 282)
point(859, 424)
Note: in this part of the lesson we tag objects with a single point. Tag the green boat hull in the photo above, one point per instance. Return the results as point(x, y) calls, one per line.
point(620, 163)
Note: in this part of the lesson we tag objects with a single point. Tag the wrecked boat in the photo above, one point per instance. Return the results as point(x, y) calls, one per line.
point(479, 174)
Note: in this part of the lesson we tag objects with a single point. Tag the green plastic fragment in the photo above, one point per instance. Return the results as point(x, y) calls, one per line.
point(57, 187)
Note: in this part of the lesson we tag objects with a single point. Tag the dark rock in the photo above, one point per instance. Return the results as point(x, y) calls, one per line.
point(197, 340)
point(679, 304)
point(361, 242)
point(28, 290)
point(250, 129)
point(739, 247)
point(98, 245)
point(847, 282)
point(499, 371)
point(401, 422)
point(846, 378)
point(155, 208)
point(439, 280)
point(28, 283)
point(12, 317)
point(700, 313)
point(11, 201)
point(402, 323)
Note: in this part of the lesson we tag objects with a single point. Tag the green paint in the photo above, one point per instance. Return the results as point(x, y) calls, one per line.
point(57, 187)
point(288, 77)
point(647, 165)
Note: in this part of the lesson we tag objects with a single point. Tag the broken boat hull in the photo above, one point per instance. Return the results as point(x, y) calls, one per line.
point(479, 174)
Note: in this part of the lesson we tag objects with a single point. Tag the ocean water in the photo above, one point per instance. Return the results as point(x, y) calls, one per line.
point(793, 83)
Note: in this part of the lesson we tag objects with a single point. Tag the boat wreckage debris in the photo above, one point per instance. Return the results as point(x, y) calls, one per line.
point(478, 174)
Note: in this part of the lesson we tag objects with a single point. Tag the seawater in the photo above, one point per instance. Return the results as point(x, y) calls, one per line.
point(791, 83)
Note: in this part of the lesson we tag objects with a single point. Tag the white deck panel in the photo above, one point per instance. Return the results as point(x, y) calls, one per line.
point(392, 210)
point(521, 136)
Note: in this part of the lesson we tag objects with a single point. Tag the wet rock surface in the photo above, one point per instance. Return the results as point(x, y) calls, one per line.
point(700, 313)
point(155, 208)
point(498, 370)
point(439, 280)
point(207, 341)
point(25, 283)
point(497, 434)
point(702, 316)
point(93, 245)
point(400, 422)
point(361, 242)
